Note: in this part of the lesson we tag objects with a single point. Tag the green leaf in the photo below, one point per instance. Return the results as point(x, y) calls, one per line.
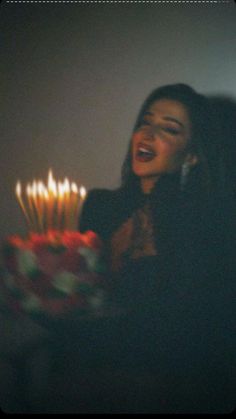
point(65, 282)
point(90, 256)
point(27, 261)
point(31, 303)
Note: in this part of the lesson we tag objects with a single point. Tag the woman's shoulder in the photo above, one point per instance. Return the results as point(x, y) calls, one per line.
point(99, 209)
point(99, 194)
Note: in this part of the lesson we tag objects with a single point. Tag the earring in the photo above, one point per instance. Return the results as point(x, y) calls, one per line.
point(185, 169)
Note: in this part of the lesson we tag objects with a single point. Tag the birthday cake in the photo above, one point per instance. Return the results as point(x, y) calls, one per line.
point(53, 271)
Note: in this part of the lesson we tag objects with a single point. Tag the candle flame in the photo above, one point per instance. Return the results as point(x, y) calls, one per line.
point(52, 186)
point(66, 186)
point(74, 188)
point(50, 176)
point(82, 192)
point(40, 188)
point(18, 188)
point(22, 204)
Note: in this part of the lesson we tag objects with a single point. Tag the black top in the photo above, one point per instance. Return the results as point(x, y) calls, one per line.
point(182, 299)
point(193, 238)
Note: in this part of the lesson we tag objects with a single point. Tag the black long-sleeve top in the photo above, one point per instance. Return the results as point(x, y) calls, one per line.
point(182, 298)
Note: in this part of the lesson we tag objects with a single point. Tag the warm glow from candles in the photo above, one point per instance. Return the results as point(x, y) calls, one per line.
point(53, 206)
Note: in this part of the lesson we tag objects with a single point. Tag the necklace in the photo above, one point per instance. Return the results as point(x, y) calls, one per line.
point(142, 240)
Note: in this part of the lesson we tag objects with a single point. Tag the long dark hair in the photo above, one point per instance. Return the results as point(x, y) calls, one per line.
point(180, 218)
point(199, 113)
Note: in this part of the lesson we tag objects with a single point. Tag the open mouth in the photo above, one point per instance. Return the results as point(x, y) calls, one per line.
point(144, 153)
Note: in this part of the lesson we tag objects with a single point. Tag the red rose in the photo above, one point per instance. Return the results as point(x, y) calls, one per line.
point(16, 241)
point(72, 239)
point(38, 241)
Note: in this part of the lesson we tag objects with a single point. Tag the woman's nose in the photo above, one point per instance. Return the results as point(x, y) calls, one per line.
point(149, 135)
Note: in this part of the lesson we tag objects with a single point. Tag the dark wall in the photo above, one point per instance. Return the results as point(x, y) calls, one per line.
point(74, 76)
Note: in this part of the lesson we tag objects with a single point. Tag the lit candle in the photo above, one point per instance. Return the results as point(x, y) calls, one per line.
point(35, 201)
point(55, 206)
point(46, 200)
point(33, 215)
point(67, 203)
point(82, 193)
point(74, 205)
point(22, 206)
point(40, 203)
point(60, 206)
point(82, 196)
point(52, 191)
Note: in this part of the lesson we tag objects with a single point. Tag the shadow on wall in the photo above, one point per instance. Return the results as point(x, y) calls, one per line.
point(223, 127)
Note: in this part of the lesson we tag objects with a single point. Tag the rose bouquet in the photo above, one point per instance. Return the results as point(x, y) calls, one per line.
point(53, 273)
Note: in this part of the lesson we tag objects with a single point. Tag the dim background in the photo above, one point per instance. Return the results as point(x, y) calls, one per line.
point(73, 78)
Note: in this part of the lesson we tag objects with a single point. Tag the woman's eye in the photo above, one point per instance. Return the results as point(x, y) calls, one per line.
point(170, 130)
point(144, 124)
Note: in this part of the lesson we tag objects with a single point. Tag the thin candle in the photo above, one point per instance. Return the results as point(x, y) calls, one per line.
point(36, 204)
point(55, 206)
point(74, 205)
point(33, 214)
point(60, 206)
point(46, 200)
point(40, 203)
point(22, 206)
point(67, 203)
point(82, 193)
point(82, 196)
point(52, 191)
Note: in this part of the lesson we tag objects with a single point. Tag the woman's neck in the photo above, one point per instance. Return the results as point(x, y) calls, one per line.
point(148, 183)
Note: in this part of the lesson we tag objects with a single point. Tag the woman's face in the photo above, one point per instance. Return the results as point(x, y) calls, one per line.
point(160, 144)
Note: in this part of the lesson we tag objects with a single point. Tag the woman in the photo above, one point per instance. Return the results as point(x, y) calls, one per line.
point(167, 246)
point(166, 198)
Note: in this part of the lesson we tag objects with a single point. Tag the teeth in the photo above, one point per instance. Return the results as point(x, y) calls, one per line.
point(145, 150)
